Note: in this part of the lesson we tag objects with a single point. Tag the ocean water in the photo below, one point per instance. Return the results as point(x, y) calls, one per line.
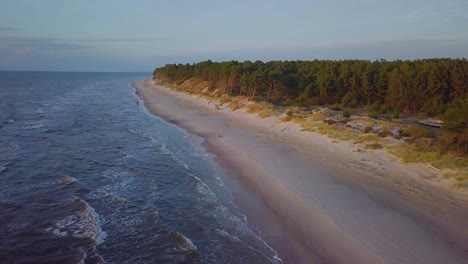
point(87, 175)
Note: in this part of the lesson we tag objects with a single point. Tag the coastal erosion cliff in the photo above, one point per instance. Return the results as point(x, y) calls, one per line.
point(335, 205)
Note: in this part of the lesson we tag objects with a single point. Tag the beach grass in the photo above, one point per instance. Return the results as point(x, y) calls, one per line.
point(460, 178)
point(374, 146)
point(410, 154)
point(262, 109)
point(235, 105)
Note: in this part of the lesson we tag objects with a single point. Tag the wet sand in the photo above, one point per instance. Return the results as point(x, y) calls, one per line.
point(320, 201)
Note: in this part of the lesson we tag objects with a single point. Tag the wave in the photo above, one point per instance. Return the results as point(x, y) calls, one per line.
point(108, 196)
point(5, 165)
point(204, 189)
point(35, 124)
point(149, 139)
point(9, 121)
point(275, 258)
point(84, 224)
point(67, 180)
point(9, 147)
point(124, 155)
point(38, 111)
point(178, 161)
point(185, 244)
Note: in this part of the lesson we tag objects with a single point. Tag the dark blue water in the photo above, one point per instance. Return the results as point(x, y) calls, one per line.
point(89, 176)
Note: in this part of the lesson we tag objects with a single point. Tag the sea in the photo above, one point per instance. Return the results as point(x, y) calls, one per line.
point(88, 175)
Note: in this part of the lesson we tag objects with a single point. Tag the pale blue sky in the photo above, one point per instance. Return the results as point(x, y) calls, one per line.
point(138, 35)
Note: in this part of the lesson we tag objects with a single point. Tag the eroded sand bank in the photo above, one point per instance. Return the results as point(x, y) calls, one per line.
point(332, 204)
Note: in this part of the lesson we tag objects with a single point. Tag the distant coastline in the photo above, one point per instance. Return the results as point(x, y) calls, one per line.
point(365, 103)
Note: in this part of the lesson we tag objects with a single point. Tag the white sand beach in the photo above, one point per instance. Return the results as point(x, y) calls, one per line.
point(321, 200)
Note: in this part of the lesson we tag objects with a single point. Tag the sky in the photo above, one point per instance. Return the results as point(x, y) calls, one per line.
point(139, 35)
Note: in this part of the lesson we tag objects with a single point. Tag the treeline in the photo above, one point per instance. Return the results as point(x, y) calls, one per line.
point(428, 85)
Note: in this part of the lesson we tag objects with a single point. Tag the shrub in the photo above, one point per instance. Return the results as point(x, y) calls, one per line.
point(383, 109)
point(423, 144)
point(335, 107)
point(312, 101)
point(396, 113)
point(347, 113)
point(416, 132)
point(374, 115)
point(375, 107)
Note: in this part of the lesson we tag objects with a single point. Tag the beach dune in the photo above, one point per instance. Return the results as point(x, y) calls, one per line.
point(320, 201)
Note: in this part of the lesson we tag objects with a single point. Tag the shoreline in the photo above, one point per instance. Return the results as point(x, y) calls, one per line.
point(397, 218)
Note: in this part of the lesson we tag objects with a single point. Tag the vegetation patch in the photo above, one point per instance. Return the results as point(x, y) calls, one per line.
point(336, 132)
point(262, 109)
point(318, 116)
point(416, 132)
point(368, 129)
point(347, 113)
point(235, 105)
point(289, 115)
point(374, 146)
point(335, 107)
point(458, 176)
point(368, 138)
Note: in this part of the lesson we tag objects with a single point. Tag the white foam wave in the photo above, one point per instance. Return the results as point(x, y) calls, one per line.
point(204, 189)
point(180, 162)
point(225, 234)
point(126, 155)
point(108, 195)
point(186, 244)
point(165, 150)
point(39, 111)
point(117, 175)
point(5, 165)
point(84, 224)
point(67, 180)
point(35, 124)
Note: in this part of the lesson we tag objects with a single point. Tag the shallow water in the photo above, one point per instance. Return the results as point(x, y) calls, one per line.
point(88, 175)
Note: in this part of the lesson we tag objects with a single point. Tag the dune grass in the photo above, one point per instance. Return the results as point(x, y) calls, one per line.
point(262, 109)
point(235, 105)
point(374, 146)
point(336, 132)
point(410, 154)
point(460, 177)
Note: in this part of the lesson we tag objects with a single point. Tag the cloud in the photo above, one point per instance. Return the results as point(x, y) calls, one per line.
point(104, 40)
point(43, 44)
point(8, 29)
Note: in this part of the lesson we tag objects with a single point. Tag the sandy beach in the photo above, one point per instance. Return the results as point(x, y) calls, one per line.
point(318, 200)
